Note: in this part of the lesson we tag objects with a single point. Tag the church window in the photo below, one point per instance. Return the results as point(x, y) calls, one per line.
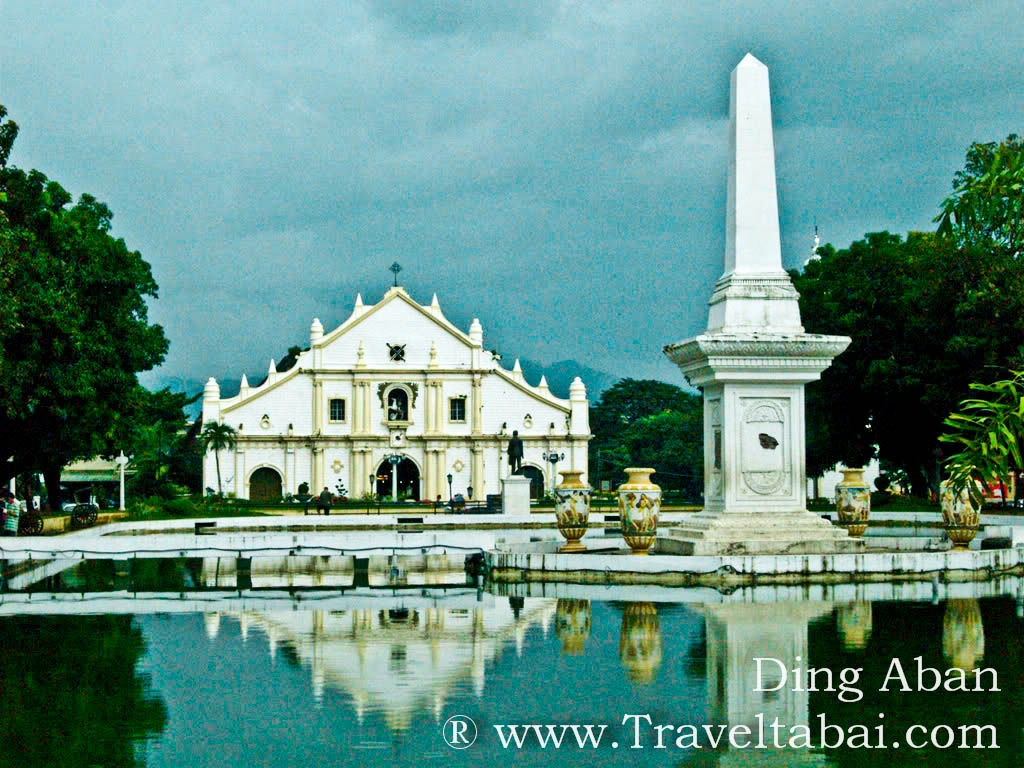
point(457, 409)
point(337, 409)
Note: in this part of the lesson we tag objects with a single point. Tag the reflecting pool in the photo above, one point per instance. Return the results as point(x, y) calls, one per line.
point(162, 666)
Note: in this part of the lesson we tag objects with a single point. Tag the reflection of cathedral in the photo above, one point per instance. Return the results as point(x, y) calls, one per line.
point(399, 660)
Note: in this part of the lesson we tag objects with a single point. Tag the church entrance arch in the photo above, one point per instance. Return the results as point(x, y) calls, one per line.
point(408, 479)
point(536, 480)
point(265, 485)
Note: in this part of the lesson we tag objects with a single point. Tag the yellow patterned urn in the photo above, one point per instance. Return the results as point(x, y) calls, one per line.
point(572, 509)
point(639, 507)
point(961, 517)
point(853, 501)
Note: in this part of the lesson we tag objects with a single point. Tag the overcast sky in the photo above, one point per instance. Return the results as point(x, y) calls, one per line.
point(557, 169)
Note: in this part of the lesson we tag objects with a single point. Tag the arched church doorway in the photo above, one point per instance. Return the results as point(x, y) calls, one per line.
point(265, 485)
point(408, 479)
point(536, 480)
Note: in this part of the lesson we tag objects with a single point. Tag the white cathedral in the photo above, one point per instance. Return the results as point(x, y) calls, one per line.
point(396, 388)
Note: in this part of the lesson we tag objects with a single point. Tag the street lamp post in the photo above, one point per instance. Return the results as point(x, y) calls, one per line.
point(395, 459)
point(122, 461)
point(450, 497)
point(373, 489)
point(554, 458)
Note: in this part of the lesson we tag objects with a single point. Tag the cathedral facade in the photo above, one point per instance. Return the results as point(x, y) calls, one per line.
point(396, 398)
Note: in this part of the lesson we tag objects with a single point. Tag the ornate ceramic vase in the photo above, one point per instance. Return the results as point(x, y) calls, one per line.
point(960, 516)
point(572, 509)
point(854, 624)
point(640, 641)
point(853, 501)
point(639, 507)
point(572, 625)
point(963, 634)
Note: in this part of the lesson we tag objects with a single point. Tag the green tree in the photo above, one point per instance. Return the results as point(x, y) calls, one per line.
point(672, 443)
point(927, 317)
point(987, 204)
point(647, 423)
point(78, 333)
point(217, 437)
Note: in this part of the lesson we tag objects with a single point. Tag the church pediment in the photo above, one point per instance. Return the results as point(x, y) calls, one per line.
point(395, 332)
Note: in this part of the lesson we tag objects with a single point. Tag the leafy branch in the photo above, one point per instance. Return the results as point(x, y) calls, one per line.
point(988, 431)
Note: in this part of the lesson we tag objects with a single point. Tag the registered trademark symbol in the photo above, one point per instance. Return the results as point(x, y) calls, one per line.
point(459, 732)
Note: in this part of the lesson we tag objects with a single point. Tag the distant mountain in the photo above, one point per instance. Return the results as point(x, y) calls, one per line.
point(561, 374)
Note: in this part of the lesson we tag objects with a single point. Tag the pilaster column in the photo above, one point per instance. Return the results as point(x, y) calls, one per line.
point(477, 474)
point(428, 407)
point(429, 480)
point(356, 415)
point(239, 461)
point(354, 470)
point(366, 410)
point(439, 406)
point(318, 407)
point(442, 471)
point(285, 468)
point(317, 482)
point(242, 456)
point(477, 406)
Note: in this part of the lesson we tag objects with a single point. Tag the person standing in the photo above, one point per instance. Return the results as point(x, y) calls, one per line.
point(325, 501)
point(12, 514)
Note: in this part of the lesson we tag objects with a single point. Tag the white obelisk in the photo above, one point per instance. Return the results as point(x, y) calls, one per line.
point(753, 361)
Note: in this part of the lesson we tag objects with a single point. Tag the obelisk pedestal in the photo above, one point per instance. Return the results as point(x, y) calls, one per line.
point(752, 363)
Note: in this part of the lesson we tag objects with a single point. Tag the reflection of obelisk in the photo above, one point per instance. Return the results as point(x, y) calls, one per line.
point(753, 361)
point(736, 635)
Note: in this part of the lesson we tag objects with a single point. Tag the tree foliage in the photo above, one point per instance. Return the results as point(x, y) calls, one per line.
point(987, 204)
point(987, 432)
point(648, 423)
point(217, 437)
point(76, 332)
point(927, 317)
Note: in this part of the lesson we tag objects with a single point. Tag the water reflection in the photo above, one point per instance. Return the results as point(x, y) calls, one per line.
point(854, 623)
point(400, 660)
point(572, 625)
point(70, 692)
point(640, 641)
point(963, 634)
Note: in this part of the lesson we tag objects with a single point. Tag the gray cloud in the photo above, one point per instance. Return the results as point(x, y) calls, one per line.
point(557, 169)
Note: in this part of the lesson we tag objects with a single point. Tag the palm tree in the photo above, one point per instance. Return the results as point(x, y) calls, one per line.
point(218, 437)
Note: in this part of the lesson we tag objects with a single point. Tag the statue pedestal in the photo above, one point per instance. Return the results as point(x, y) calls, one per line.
point(515, 495)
